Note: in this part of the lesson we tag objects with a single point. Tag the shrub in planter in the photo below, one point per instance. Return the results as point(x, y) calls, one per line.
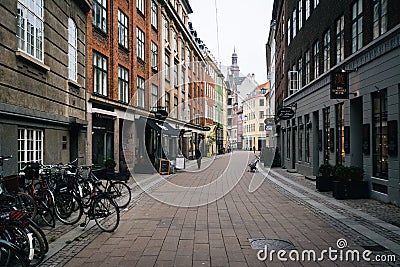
point(324, 182)
point(349, 183)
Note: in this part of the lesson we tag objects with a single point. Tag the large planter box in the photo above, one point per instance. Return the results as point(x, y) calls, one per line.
point(350, 189)
point(324, 183)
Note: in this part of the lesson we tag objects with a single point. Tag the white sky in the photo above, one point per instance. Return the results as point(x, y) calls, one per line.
point(243, 24)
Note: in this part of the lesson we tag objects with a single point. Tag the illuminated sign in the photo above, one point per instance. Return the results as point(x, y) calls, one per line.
point(339, 85)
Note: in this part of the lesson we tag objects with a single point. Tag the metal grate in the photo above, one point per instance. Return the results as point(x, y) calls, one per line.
point(275, 244)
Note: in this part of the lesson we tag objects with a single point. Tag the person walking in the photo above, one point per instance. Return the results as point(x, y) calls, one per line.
point(254, 149)
point(199, 151)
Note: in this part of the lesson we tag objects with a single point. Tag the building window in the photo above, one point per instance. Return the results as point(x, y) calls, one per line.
point(289, 29)
point(175, 107)
point(316, 59)
point(288, 151)
point(340, 39)
point(300, 14)
point(380, 17)
point(300, 75)
point(183, 79)
point(123, 84)
point(154, 15)
point(30, 146)
point(316, 3)
point(261, 115)
point(340, 154)
point(99, 74)
point(380, 134)
point(154, 56)
point(327, 51)
point(154, 95)
point(166, 63)
point(140, 92)
point(307, 9)
point(140, 6)
point(72, 50)
point(30, 28)
point(175, 75)
point(166, 30)
point(307, 62)
point(300, 138)
point(283, 26)
point(175, 41)
point(356, 22)
point(261, 127)
point(99, 19)
point(122, 29)
point(294, 22)
point(307, 138)
point(189, 58)
point(167, 102)
point(140, 43)
point(261, 102)
point(327, 140)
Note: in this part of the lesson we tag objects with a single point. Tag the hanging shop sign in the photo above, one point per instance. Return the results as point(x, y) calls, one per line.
point(269, 121)
point(285, 113)
point(339, 85)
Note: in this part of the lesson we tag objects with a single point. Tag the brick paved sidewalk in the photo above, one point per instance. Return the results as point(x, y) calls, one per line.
point(156, 234)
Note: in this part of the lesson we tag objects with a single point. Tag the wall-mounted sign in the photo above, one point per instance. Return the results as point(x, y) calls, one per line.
point(339, 85)
point(285, 113)
point(161, 114)
point(269, 121)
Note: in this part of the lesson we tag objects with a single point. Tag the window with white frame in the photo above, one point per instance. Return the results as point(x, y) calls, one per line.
point(99, 74)
point(175, 41)
point(167, 103)
point(123, 84)
point(175, 75)
point(140, 92)
point(72, 50)
point(283, 26)
point(307, 9)
point(340, 39)
point(166, 29)
point(316, 3)
point(300, 14)
point(30, 27)
point(316, 59)
point(122, 29)
point(30, 146)
point(300, 76)
point(140, 44)
point(99, 18)
point(154, 56)
point(380, 17)
point(327, 51)
point(175, 111)
point(294, 23)
point(356, 24)
point(140, 6)
point(182, 50)
point(154, 95)
point(154, 15)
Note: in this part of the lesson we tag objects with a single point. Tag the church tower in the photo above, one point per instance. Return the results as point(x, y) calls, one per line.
point(234, 69)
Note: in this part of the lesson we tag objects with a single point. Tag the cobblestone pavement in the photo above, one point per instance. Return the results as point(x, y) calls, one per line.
point(152, 233)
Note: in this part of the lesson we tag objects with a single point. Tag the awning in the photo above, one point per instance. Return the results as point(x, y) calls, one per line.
point(163, 127)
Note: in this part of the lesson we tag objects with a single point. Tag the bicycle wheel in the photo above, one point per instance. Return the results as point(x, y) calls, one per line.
point(46, 208)
point(11, 255)
point(25, 202)
point(39, 234)
point(121, 193)
point(68, 208)
point(86, 190)
point(105, 213)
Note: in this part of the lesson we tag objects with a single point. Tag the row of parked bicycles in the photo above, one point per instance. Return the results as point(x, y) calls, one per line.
point(42, 194)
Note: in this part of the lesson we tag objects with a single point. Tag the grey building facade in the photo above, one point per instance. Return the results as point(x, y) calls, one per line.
point(358, 42)
point(42, 81)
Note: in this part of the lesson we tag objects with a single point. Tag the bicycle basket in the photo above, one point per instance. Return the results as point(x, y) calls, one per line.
point(11, 183)
point(31, 170)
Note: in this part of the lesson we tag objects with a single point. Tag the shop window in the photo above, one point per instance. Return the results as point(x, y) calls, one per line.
point(380, 134)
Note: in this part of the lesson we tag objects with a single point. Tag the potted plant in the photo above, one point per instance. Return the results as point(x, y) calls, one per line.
point(324, 182)
point(349, 183)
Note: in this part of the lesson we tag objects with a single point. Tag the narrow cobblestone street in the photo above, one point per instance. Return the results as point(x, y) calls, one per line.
point(284, 207)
